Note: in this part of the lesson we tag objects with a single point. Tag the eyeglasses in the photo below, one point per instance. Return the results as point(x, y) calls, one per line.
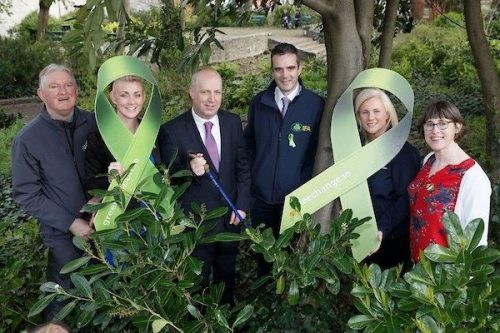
point(441, 125)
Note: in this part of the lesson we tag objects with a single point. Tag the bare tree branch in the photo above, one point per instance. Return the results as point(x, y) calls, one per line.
point(489, 82)
point(390, 16)
point(364, 22)
point(323, 7)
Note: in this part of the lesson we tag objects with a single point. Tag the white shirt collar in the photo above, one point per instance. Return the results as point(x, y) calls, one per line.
point(200, 125)
point(201, 121)
point(278, 95)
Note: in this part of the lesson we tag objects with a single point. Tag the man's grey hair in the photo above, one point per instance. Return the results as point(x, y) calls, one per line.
point(42, 77)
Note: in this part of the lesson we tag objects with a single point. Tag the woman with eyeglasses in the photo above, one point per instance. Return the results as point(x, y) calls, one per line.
point(450, 180)
point(388, 186)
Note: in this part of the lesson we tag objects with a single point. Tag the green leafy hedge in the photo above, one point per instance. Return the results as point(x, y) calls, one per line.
point(452, 289)
point(21, 61)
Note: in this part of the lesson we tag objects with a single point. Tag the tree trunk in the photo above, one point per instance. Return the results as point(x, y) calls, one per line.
point(489, 82)
point(364, 23)
point(344, 61)
point(43, 19)
point(182, 14)
point(390, 16)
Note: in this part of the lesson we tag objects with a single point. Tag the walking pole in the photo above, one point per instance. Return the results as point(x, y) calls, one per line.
point(210, 175)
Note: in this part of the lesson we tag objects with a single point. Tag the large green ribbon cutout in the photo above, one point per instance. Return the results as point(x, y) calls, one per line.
point(354, 163)
point(126, 147)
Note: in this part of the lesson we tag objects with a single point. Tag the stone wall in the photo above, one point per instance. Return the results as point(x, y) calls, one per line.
point(238, 47)
point(28, 107)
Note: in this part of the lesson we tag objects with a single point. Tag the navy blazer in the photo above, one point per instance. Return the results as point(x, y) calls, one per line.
point(388, 191)
point(182, 135)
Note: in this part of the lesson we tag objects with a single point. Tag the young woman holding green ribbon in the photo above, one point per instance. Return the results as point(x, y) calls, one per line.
point(376, 114)
point(450, 180)
point(127, 96)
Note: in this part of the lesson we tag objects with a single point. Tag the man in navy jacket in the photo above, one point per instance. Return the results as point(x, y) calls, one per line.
point(48, 171)
point(187, 134)
point(281, 136)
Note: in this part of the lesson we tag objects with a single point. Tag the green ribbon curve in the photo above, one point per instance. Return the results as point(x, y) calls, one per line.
point(347, 178)
point(126, 147)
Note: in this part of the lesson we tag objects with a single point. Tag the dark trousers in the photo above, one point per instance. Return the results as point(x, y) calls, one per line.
point(219, 260)
point(392, 252)
point(61, 251)
point(269, 215)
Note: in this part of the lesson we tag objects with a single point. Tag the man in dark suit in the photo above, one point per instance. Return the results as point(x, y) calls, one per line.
point(207, 135)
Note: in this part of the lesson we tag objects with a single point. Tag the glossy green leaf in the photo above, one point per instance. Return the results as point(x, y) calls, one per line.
point(438, 253)
point(268, 239)
point(427, 324)
point(453, 228)
point(280, 285)
point(221, 319)
point(74, 264)
point(474, 232)
point(84, 318)
point(359, 322)
point(81, 284)
point(485, 255)
point(375, 275)
point(194, 265)
point(165, 192)
point(79, 243)
point(415, 276)
point(194, 312)
point(360, 291)
point(295, 204)
point(343, 264)
point(112, 244)
point(392, 323)
point(95, 207)
point(243, 316)
point(216, 213)
point(49, 287)
point(284, 238)
point(41, 304)
point(224, 237)
point(158, 324)
point(179, 191)
point(66, 310)
point(408, 304)
point(293, 293)
point(131, 214)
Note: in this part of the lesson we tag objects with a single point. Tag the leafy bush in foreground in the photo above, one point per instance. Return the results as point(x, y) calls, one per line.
point(141, 276)
point(22, 268)
point(451, 289)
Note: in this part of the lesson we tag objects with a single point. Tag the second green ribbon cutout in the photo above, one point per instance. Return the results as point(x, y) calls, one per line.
point(354, 163)
point(129, 149)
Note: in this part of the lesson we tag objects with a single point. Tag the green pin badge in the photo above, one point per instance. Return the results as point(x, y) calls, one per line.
point(347, 177)
point(129, 149)
point(291, 142)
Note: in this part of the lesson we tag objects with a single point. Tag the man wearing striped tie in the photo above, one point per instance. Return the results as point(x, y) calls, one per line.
point(281, 137)
point(206, 135)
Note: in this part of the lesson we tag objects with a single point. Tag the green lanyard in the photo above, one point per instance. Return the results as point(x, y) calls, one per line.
point(128, 148)
point(354, 163)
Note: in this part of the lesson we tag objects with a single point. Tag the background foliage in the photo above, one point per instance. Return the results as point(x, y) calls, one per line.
point(435, 58)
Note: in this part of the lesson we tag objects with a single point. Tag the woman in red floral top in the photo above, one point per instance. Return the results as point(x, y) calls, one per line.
point(450, 180)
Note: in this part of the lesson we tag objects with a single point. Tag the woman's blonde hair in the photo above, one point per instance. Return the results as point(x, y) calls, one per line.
point(369, 93)
point(127, 78)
